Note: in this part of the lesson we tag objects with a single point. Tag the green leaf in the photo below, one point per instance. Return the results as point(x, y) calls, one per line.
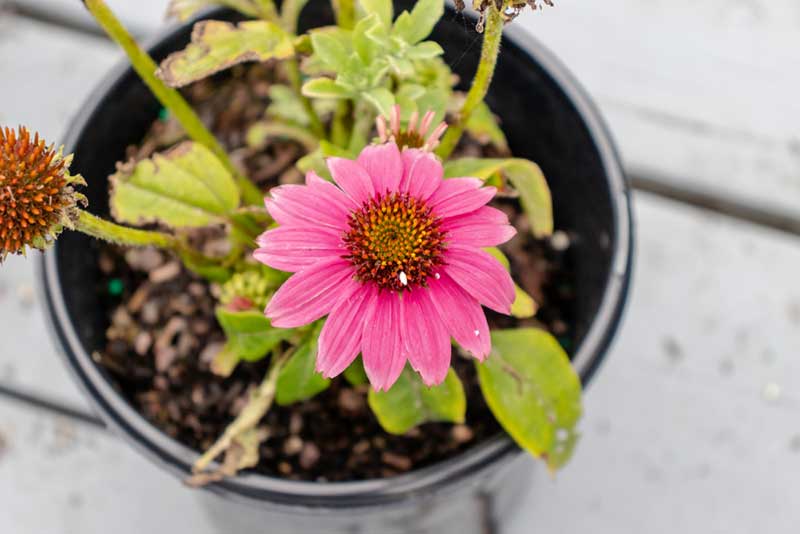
point(523, 307)
point(333, 46)
point(415, 26)
point(250, 335)
point(533, 391)
point(525, 176)
point(298, 379)
point(425, 50)
point(364, 46)
point(218, 45)
point(355, 373)
point(324, 88)
point(185, 187)
point(381, 99)
point(410, 403)
point(384, 9)
point(483, 126)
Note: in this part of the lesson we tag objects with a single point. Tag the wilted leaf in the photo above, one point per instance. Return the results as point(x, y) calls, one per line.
point(298, 379)
point(410, 403)
point(525, 176)
point(218, 45)
point(185, 9)
point(185, 187)
point(533, 391)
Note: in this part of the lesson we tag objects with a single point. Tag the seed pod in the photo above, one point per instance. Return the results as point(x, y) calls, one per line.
point(37, 199)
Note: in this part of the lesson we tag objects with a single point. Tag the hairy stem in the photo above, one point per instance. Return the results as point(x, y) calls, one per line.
point(480, 84)
point(293, 73)
point(122, 235)
point(171, 99)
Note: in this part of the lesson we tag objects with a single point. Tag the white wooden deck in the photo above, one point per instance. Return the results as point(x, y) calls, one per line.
point(693, 423)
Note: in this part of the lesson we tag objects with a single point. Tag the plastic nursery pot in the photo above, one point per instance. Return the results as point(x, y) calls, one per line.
point(547, 118)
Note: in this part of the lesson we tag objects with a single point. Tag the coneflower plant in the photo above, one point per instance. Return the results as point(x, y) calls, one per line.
point(382, 260)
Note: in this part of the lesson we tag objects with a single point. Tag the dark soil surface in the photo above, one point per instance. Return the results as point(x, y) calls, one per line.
point(163, 335)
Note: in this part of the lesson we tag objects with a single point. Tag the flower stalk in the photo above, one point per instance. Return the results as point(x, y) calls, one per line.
point(493, 35)
point(345, 13)
point(170, 98)
point(122, 235)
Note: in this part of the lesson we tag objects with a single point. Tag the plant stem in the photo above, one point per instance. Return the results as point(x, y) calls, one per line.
point(339, 131)
point(293, 73)
point(171, 99)
point(480, 84)
point(364, 119)
point(122, 235)
point(268, 10)
point(255, 409)
point(98, 228)
point(290, 13)
point(345, 13)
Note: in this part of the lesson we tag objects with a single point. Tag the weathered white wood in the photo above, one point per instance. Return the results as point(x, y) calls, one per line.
point(691, 424)
point(47, 72)
point(704, 92)
point(140, 17)
point(62, 478)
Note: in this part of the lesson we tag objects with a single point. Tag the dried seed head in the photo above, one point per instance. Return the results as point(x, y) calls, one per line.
point(510, 9)
point(36, 195)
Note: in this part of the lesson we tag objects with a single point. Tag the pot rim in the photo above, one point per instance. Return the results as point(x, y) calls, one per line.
point(315, 496)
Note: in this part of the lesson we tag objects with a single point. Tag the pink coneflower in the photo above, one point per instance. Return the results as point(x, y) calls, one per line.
point(393, 257)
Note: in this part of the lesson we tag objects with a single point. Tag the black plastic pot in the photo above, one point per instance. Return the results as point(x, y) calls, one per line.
point(548, 119)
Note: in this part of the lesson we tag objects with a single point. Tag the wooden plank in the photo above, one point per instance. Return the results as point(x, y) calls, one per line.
point(59, 477)
point(704, 93)
point(691, 424)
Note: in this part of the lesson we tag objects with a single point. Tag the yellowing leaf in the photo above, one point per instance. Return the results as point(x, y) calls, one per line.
point(218, 45)
point(523, 307)
point(185, 187)
point(533, 391)
point(525, 176)
point(185, 9)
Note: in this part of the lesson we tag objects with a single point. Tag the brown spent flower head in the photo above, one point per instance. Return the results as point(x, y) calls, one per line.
point(36, 195)
point(510, 9)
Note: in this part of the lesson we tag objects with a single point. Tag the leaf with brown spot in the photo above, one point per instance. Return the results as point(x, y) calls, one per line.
point(218, 45)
